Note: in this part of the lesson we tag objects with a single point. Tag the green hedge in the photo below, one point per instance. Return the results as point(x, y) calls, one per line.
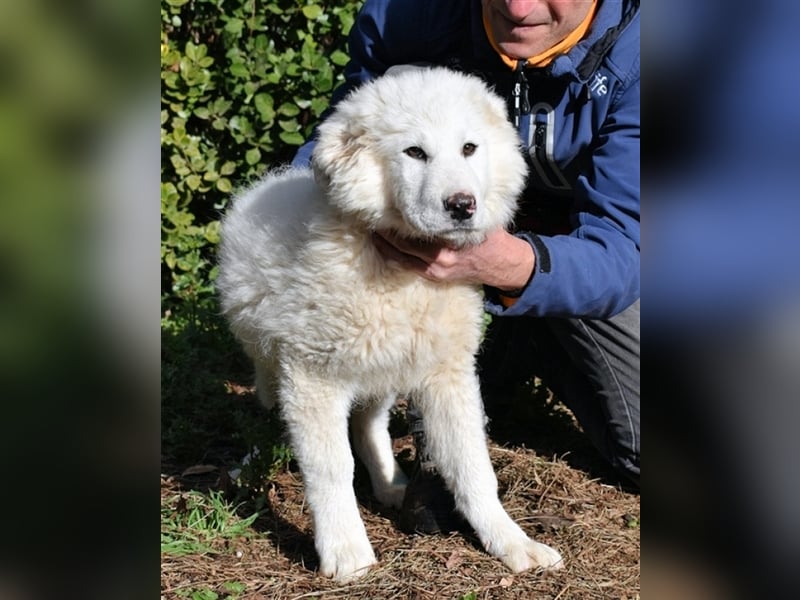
point(242, 84)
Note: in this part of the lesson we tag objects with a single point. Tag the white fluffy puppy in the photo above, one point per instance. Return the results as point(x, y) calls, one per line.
point(337, 333)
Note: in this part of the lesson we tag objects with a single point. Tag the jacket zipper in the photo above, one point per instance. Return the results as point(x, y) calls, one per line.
point(534, 131)
point(540, 150)
point(522, 104)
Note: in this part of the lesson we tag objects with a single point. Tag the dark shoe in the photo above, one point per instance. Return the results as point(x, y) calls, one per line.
point(428, 506)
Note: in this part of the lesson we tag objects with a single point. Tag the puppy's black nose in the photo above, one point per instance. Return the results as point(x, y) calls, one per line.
point(460, 206)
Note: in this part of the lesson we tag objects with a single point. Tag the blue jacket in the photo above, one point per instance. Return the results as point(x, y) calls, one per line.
point(580, 125)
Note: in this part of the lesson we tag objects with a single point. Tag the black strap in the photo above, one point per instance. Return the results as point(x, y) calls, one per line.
point(592, 60)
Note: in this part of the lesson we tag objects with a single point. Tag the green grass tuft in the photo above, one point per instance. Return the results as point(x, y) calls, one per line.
point(192, 522)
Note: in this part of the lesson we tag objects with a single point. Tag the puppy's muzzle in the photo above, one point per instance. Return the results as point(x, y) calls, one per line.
point(460, 206)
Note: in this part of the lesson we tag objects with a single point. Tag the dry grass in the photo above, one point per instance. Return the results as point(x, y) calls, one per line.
point(595, 525)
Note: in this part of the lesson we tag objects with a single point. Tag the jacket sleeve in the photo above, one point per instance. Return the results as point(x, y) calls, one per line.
point(594, 271)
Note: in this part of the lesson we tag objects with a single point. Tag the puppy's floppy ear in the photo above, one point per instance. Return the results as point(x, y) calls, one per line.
point(345, 161)
point(339, 142)
point(507, 166)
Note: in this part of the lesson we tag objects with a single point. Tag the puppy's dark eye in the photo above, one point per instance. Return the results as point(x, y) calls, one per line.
point(416, 152)
point(468, 149)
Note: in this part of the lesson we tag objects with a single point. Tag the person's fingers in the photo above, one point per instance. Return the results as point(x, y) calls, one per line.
point(424, 251)
point(391, 252)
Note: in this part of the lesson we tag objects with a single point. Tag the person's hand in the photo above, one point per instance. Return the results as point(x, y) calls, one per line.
point(502, 260)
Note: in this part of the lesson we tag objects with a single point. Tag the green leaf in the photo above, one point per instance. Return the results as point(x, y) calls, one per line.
point(252, 156)
point(168, 192)
point(196, 163)
point(265, 106)
point(178, 162)
point(234, 25)
point(234, 587)
point(289, 125)
point(318, 105)
point(221, 105)
point(294, 69)
point(212, 232)
point(339, 58)
point(273, 77)
point(312, 12)
point(292, 138)
point(288, 109)
point(224, 185)
point(239, 70)
point(631, 522)
point(245, 126)
point(195, 52)
point(193, 181)
point(346, 18)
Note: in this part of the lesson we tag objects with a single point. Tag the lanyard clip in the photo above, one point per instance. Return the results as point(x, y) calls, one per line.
point(522, 104)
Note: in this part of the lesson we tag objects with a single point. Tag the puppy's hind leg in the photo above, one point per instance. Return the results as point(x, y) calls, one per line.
point(373, 444)
point(316, 414)
point(266, 382)
point(454, 428)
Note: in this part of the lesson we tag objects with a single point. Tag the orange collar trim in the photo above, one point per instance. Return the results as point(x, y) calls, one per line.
point(546, 57)
point(506, 301)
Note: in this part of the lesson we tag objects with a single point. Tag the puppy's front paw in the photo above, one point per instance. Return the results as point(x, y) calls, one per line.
point(346, 559)
point(525, 554)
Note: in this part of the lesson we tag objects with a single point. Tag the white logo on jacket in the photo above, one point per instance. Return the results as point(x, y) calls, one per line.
point(598, 85)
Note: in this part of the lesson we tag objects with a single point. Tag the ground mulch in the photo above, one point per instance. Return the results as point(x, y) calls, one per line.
point(566, 500)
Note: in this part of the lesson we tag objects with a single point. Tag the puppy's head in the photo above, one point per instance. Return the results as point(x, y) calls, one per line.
point(426, 152)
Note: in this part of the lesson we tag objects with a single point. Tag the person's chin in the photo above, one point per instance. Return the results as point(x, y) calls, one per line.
point(514, 49)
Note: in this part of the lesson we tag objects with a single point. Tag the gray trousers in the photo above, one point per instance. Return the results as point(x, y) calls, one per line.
point(591, 365)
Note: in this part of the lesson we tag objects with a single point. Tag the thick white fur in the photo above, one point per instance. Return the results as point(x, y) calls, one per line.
point(337, 333)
